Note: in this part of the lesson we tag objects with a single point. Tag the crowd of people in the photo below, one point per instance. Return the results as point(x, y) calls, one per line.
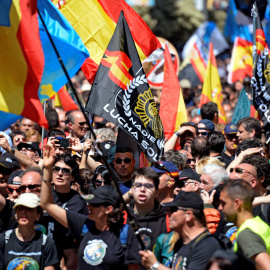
point(204, 205)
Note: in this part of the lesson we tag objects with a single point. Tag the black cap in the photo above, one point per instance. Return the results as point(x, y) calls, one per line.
point(32, 145)
point(186, 199)
point(190, 174)
point(104, 195)
point(9, 161)
point(12, 176)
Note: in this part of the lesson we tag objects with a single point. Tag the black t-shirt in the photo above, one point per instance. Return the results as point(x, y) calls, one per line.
point(32, 254)
point(190, 257)
point(7, 220)
point(102, 249)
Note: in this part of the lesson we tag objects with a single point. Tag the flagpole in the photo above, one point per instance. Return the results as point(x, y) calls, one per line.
point(132, 221)
point(42, 130)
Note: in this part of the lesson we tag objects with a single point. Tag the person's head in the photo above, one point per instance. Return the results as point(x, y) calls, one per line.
point(65, 170)
point(62, 119)
point(185, 85)
point(58, 133)
point(14, 183)
point(244, 171)
point(77, 124)
point(231, 139)
point(208, 160)
point(145, 182)
point(124, 163)
point(189, 161)
point(217, 141)
point(33, 135)
point(189, 135)
point(103, 203)
point(186, 211)
point(205, 127)
point(175, 157)
point(213, 175)
point(82, 184)
point(248, 143)
point(209, 111)
point(105, 134)
point(17, 137)
point(31, 180)
point(235, 197)
point(190, 180)
point(8, 164)
point(200, 147)
point(31, 149)
point(27, 124)
point(27, 210)
point(248, 127)
point(52, 118)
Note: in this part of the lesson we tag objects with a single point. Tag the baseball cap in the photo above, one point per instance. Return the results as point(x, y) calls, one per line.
point(12, 176)
point(33, 145)
point(9, 161)
point(186, 199)
point(104, 195)
point(168, 165)
point(190, 174)
point(230, 129)
point(185, 83)
point(29, 200)
point(208, 124)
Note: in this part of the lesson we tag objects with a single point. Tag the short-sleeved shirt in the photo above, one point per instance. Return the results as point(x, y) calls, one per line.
point(188, 258)
point(102, 249)
point(33, 253)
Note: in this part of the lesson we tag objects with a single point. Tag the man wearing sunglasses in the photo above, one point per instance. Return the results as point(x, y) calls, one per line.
point(205, 127)
point(231, 141)
point(187, 219)
point(77, 125)
point(31, 149)
point(124, 165)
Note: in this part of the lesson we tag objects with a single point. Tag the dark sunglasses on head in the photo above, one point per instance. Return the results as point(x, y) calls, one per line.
point(65, 171)
point(30, 187)
point(189, 160)
point(120, 160)
point(20, 140)
point(241, 171)
point(11, 189)
point(146, 185)
point(99, 182)
point(159, 165)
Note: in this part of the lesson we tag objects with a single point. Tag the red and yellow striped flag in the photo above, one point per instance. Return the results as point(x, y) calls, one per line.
point(212, 90)
point(95, 22)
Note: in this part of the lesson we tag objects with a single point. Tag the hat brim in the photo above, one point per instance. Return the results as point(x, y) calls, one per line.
point(169, 204)
point(24, 204)
point(7, 165)
point(157, 170)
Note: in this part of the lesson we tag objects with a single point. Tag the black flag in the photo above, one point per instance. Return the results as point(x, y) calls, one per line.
point(261, 72)
point(121, 94)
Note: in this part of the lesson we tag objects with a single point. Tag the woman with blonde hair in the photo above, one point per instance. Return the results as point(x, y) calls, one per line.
point(33, 135)
point(205, 161)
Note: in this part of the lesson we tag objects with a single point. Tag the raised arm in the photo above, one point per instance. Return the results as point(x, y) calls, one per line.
point(46, 197)
point(86, 146)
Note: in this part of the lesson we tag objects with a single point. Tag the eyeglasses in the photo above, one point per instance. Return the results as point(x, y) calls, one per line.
point(30, 187)
point(159, 165)
point(203, 133)
point(20, 140)
point(188, 124)
point(230, 137)
point(82, 124)
point(11, 189)
point(189, 160)
point(146, 185)
point(241, 171)
point(120, 160)
point(99, 182)
point(65, 171)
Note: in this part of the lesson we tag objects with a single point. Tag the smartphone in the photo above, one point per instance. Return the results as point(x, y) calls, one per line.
point(63, 142)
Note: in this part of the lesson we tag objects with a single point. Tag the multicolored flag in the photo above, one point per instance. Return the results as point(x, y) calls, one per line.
point(212, 90)
point(64, 100)
point(95, 22)
point(172, 109)
point(22, 60)
point(120, 93)
point(261, 72)
point(241, 60)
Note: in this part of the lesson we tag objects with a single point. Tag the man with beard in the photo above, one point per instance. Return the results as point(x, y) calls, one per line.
point(186, 134)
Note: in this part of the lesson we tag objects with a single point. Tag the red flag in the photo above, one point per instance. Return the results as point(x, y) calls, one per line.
point(63, 99)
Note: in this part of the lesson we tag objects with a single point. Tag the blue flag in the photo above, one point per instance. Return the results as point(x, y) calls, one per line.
point(69, 45)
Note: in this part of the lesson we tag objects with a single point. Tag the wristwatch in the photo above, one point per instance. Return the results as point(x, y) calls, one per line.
point(155, 266)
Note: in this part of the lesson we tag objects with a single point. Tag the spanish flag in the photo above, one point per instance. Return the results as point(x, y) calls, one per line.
point(212, 90)
point(172, 106)
point(22, 60)
point(95, 22)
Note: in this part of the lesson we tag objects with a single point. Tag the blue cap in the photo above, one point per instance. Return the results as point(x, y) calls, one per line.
point(169, 166)
point(230, 129)
point(208, 124)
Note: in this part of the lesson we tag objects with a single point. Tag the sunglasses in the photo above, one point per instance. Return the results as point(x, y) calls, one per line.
point(120, 160)
point(230, 137)
point(82, 124)
point(11, 189)
point(146, 185)
point(159, 165)
point(189, 160)
point(241, 171)
point(99, 182)
point(20, 140)
point(203, 133)
point(30, 187)
point(65, 171)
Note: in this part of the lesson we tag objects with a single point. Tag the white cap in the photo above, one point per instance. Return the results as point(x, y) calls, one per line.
point(29, 200)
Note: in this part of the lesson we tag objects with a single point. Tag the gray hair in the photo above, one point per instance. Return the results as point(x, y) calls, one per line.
point(106, 134)
point(217, 173)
